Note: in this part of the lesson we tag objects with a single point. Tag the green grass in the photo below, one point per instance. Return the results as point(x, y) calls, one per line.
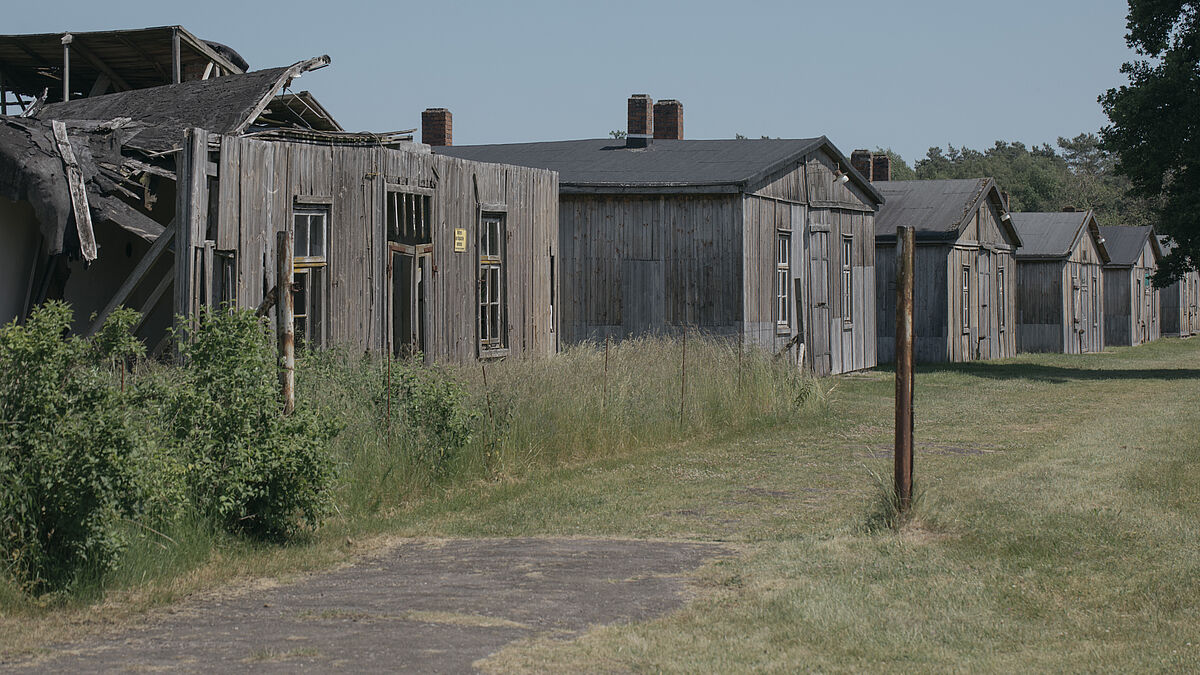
point(1058, 525)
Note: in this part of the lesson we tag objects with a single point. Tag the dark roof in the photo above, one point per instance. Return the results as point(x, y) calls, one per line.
point(1125, 244)
point(608, 163)
point(935, 209)
point(140, 58)
point(1053, 234)
point(224, 105)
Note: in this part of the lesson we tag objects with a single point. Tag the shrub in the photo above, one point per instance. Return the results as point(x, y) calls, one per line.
point(246, 466)
point(432, 412)
point(65, 449)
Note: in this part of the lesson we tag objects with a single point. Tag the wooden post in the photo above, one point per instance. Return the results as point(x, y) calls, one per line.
point(66, 71)
point(285, 321)
point(905, 245)
point(683, 378)
point(176, 60)
point(604, 394)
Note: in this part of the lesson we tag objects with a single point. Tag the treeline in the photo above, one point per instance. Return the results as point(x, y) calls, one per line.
point(1078, 173)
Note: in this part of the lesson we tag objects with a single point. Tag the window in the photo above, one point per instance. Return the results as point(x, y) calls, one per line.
point(783, 305)
point(408, 218)
point(966, 299)
point(311, 231)
point(493, 328)
point(1000, 296)
point(847, 282)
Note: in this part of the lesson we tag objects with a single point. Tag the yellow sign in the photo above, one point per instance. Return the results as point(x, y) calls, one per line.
point(460, 240)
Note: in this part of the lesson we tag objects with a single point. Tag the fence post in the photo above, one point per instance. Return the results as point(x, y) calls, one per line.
point(285, 320)
point(905, 244)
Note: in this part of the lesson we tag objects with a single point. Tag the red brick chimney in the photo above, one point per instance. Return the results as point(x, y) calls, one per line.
point(881, 167)
point(668, 120)
point(861, 161)
point(437, 125)
point(640, 126)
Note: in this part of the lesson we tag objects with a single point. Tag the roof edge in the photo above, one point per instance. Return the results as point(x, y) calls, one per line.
point(292, 71)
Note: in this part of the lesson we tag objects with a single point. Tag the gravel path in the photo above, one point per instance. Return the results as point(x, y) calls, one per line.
point(423, 606)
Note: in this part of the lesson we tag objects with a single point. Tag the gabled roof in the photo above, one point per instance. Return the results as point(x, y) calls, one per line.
point(1053, 235)
point(605, 164)
point(1125, 244)
point(936, 209)
point(226, 105)
point(139, 58)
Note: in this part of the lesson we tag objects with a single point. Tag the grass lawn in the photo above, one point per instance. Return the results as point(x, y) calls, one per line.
point(1057, 528)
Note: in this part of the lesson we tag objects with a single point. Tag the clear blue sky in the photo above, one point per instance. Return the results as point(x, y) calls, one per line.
point(867, 73)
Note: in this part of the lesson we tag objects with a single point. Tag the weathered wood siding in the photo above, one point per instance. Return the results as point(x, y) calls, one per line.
point(261, 182)
point(1179, 305)
point(635, 264)
point(1060, 303)
point(985, 250)
point(1132, 306)
point(819, 214)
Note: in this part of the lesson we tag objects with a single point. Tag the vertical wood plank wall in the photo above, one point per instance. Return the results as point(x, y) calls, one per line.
point(1061, 302)
point(1131, 318)
point(693, 240)
point(1179, 306)
point(983, 248)
point(260, 181)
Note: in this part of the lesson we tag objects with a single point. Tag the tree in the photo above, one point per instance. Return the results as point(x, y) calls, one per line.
point(1155, 123)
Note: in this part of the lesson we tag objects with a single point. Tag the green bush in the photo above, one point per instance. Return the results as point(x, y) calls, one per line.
point(432, 412)
point(246, 467)
point(65, 453)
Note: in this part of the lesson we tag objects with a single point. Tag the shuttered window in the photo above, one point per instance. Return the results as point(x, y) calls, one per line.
point(783, 304)
point(493, 328)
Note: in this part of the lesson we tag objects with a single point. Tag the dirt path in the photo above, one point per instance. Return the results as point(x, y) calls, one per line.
point(420, 607)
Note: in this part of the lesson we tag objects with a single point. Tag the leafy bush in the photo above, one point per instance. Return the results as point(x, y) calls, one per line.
point(246, 466)
point(432, 412)
point(65, 449)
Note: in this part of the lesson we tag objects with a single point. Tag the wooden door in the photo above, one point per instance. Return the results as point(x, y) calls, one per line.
point(983, 341)
point(408, 276)
point(818, 281)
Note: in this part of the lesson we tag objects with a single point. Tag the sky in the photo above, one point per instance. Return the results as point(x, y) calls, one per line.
point(867, 74)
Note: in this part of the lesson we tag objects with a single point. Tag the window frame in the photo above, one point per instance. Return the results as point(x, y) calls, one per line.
point(847, 281)
point(310, 275)
point(491, 297)
point(965, 319)
point(783, 283)
point(1001, 297)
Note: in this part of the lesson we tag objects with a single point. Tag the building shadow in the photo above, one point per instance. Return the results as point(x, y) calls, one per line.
point(1004, 370)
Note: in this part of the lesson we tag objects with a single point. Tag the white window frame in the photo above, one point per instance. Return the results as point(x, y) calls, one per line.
point(847, 281)
point(783, 281)
point(1002, 295)
point(966, 299)
point(310, 271)
point(492, 294)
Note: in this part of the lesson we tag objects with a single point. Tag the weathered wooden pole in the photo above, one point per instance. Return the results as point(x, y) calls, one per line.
point(905, 245)
point(285, 320)
point(683, 378)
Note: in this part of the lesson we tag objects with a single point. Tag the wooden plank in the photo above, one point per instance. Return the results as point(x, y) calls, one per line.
point(79, 203)
point(135, 277)
point(151, 300)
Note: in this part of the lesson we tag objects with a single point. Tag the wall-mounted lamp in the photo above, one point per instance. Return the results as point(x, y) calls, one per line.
point(841, 177)
point(1005, 217)
point(1101, 240)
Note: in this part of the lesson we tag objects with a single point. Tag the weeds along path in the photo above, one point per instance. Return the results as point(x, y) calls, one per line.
point(423, 606)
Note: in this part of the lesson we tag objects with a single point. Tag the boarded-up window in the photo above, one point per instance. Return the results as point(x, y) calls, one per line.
point(1002, 294)
point(847, 281)
point(311, 236)
point(966, 298)
point(493, 329)
point(783, 304)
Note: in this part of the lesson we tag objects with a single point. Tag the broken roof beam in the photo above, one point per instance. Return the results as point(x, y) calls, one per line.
point(83, 217)
point(118, 82)
point(135, 277)
point(201, 47)
point(292, 72)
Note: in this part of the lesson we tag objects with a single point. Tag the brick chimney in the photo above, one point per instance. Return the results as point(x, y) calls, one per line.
point(668, 120)
point(861, 161)
point(641, 121)
point(437, 125)
point(881, 167)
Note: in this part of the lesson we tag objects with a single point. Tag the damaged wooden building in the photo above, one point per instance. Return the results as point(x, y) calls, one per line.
point(963, 288)
point(769, 241)
point(167, 198)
